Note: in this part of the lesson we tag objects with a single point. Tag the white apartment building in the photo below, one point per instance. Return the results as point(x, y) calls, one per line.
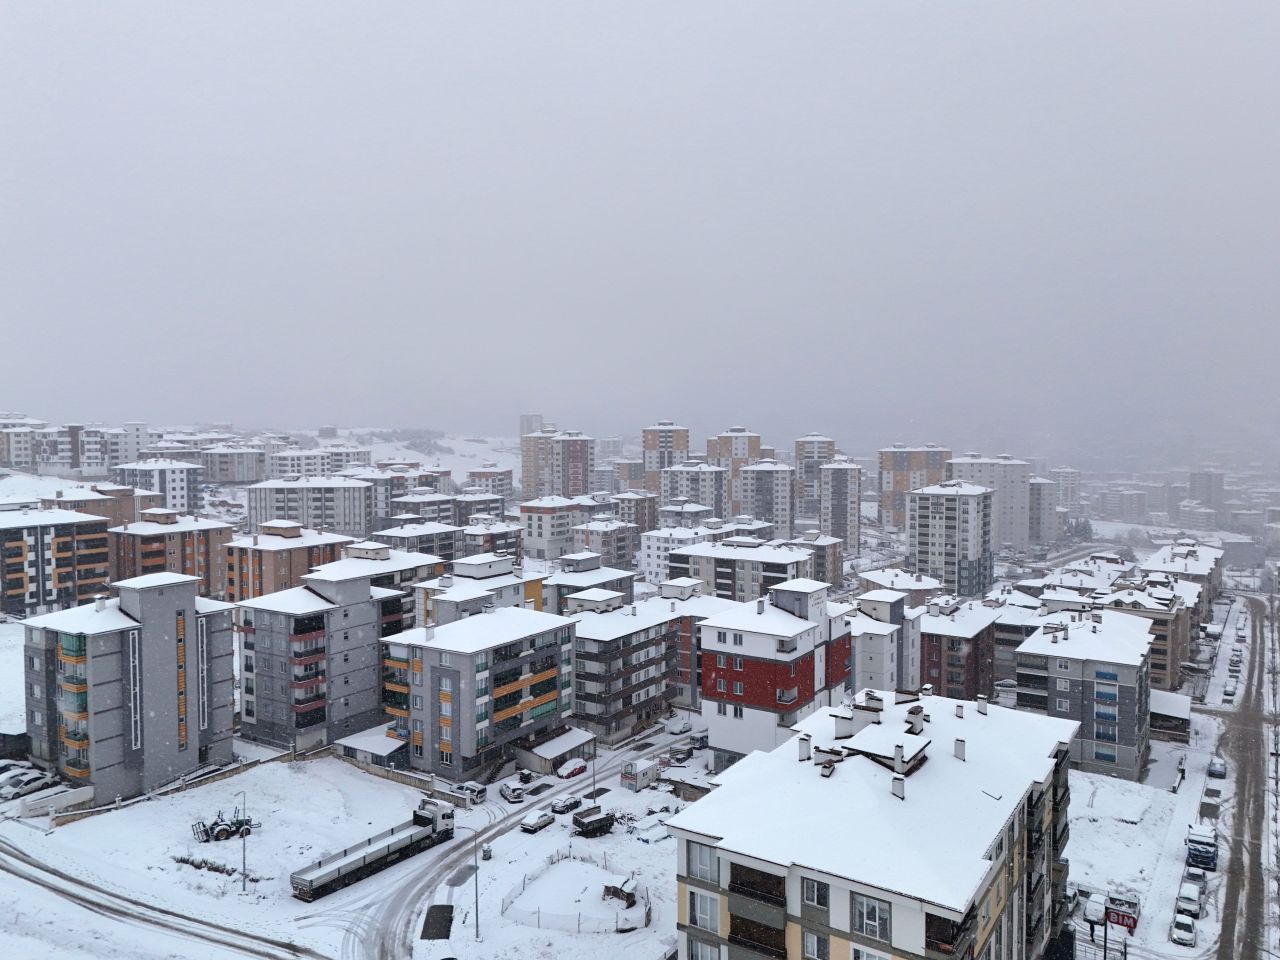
point(1010, 483)
point(767, 491)
point(740, 568)
point(336, 504)
point(178, 480)
point(811, 452)
point(884, 632)
point(493, 480)
point(697, 482)
point(949, 536)
point(1068, 481)
point(548, 526)
point(840, 502)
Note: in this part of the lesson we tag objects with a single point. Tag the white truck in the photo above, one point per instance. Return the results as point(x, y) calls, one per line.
point(432, 823)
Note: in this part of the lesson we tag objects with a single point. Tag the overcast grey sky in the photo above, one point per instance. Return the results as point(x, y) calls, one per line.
point(879, 220)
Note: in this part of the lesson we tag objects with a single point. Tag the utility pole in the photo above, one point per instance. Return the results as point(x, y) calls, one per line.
point(475, 863)
point(244, 844)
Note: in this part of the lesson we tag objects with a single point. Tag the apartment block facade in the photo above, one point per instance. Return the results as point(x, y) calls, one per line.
point(1009, 481)
point(639, 507)
point(733, 450)
point(767, 489)
point(129, 693)
point(811, 452)
point(494, 480)
point(277, 557)
point(664, 445)
point(949, 536)
point(50, 559)
point(903, 469)
point(957, 647)
point(739, 568)
point(556, 463)
point(118, 504)
point(617, 542)
point(840, 502)
point(698, 482)
point(338, 504)
point(165, 540)
point(176, 480)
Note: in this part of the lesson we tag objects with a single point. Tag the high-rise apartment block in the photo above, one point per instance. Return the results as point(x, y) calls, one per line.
point(1206, 488)
point(530, 423)
point(767, 491)
point(127, 694)
point(1009, 480)
point(949, 536)
point(339, 504)
point(811, 452)
point(698, 482)
point(903, 469)
point(51, 559)
point(1068, 481)
point(617, 542)
point(733, 450)
point(639, 507)
point(840, 502)
point(1046, 521)
point(556, 463)
point(176, 480)
point(665, 445)
point(165, 540)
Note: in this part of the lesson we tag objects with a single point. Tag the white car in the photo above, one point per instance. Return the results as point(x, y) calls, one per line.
point(1189, 899)
point(512, 793)
point(9, 767)
point(536, 821)
point(1182, 931)
point(679, 725)
point(26, 783)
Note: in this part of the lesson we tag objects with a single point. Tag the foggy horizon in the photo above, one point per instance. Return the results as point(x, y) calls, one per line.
point(978, 226)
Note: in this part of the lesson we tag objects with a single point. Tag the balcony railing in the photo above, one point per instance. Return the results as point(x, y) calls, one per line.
point(308, 702)
point(75, 768)
point(788, 696)
point(769, 950)
point(755, 893)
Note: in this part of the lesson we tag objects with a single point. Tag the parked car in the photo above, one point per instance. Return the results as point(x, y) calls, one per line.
point(572, 768)
point(565, 804)
point(1197, 876)
point(478, 792)
point(536, 820)
point(10, 767)
point(1182, 931)
point(1189, 899)
point(27, 783)
point(1217, 768)
point(679, 725)
point(512, 793)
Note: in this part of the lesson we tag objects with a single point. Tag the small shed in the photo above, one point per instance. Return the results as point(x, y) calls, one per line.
point(638, 774)
point(621, 888)
point(546, 757)
point(376, 747)
point(1170, 716)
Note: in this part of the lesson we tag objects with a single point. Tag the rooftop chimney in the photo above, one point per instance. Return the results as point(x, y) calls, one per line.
point(982, 704)
point(926, 690)
point(900, 788)
point(760, 605)
point(805, 746)
point(899, 759)
point(959, 748)
point(960, 710)
point(844, 726)
point(99, 602)
point(915, 718)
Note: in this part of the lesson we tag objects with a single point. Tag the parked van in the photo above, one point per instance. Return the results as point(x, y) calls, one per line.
point(477, 792)
point(512, 793)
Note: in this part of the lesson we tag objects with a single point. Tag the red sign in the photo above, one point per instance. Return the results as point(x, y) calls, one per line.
point(1122, 919)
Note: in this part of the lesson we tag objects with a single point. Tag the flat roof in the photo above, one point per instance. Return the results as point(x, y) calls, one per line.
point(184, 524)
point(559, 746)
point(16, 519)
point(484, 630)
point(86, 619)
point(295, 601)
point(149, 580)
point(352, 568)
point(374, 740)
point(1119, 638)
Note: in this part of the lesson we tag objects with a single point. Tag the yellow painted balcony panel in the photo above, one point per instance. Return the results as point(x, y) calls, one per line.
point(526, 681)
point(525, 705)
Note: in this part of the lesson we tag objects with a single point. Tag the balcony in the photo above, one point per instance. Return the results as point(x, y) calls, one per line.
point(308, 680)
point(308, 701)
point(1062, 834)
point(310, 638)
point(947, 938)
point(396, 663)
point(73, 683)
point(788, 696)
point(788, 644)
point(74, 739)
point(754, 948)
point(301, 656)
point(75, 768)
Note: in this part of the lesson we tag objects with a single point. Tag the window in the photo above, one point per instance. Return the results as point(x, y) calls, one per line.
point(702, 862)
point(871, 917)
point(862, 953)
point(720, 636)
point(737, 712)
point(704, 912)
point(446, 708)
point(1104, 756)
point(701, 950)
point(815, 946)
point(737, 663)
point(815, 893)
point(446, 734)
point(446, 683)
point(737, 639)
point(446, 757)
point(1064, 684)
point(417, 702)
point(737, 688)
point(720, 686)
point(1064, 664)
point(1063, 705)
point(446, 660)
point(721, 709)
point(720, 660)
point(1106, 691)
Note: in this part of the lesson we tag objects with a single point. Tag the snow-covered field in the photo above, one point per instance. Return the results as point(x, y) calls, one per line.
point(13, 715)
point(27, 486)
point(464, 453)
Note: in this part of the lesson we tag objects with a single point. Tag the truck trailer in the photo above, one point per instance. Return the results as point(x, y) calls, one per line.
point(432, 823)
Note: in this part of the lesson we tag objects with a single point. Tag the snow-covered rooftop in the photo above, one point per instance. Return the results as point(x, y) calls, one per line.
point(351, 568)
point(484, 631)
point(286, 483)
point(953, 488)
point(164, 578)
point(968, 620)
point(183, 524)
point(158, 463)
point(758, 554)
point(1118, 638)
point(267, 540)
point(15, 519)
point(86, 618)
point(894, 578)
point(757, 617)
point(295, 601)
point(559, 746)
point(374, 741)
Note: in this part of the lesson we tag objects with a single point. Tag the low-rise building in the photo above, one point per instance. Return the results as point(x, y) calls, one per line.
point(928, 876)
point(277, 557)
point(130, 693)
point(164, 540)
point(1093, 670)
point(916, 586)
point(465, 693)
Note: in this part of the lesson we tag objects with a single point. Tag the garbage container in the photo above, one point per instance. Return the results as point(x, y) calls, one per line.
point(486, 852)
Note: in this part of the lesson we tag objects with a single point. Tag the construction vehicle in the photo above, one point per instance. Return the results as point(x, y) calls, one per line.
point(432, 823)
point(592, 822)
point(224, 828)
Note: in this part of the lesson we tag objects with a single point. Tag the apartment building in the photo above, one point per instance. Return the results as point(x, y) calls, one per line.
point(438, 539)
point(476, 584)
point(584, 571)
point(386, 486)
point(176, 480)
point(127, 694)
point(811, 452)
point(469, 502)
point(493, 480)
point(50, 559)
point(637, 506)
point(1046, 521)
point(426, 505)
point(957, 647)
point(739, 568)
point(624, 661)
point(530, 423)
point(767, 664)
point(694, 481)
point(884, 634)
point(119, 505)
point(684, 513)
point(464, 693)
point(548, 526)
point(949, 536)
point(916, 586)
point(277, 557)
point(664, 445)
point(628, 474)
point(224, 463)
point(656, 546)
point(930, 877)
point(1206, 487)
point(165, 540)
point(73, 449)
point(903, 469)
point(1190, 560)
point(839, 511)
point(382, 566)
point(1171, 607)
point(1093, 670)
point(311, 656)
point(316, 461)
point(689, 606)
point(1009, 481)
point(733, 450)
point(1068, 481)
point(556, 463)
point(340, 504)
point(616, 542)
point(488, 534)
point(828, 555)
point(767, 490)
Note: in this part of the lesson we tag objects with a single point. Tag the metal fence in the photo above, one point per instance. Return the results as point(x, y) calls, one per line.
point(622, 921)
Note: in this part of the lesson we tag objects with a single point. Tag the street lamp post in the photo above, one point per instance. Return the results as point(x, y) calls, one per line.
point(475, 862)
point(244, 852)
